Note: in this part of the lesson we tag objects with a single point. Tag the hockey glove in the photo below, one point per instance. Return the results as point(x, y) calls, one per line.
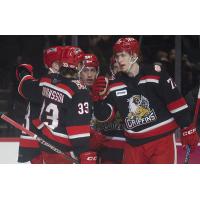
point(89, 157)
point(100, 88)
point(23, 70)
point(189, 137)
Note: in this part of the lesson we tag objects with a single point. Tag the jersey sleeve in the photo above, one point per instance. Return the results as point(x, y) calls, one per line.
point(174, 101)
point(29, 89)
point(105, 110)
point(78, 121)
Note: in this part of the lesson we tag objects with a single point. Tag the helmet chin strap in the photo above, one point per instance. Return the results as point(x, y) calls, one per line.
point(97, 73)
point(131, 64)
point(79, 72)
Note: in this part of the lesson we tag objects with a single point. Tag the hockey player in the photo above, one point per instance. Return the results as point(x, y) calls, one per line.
point(112, 149)
point(29, 148)
point(107, 138)
point(90, 70)
point(87, 76)
point(65, 111)
point(150, 105)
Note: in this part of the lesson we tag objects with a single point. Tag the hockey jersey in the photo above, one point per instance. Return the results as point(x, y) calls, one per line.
point(150, 105)
point(29, 147)
point(65, 112)
point(112, 146)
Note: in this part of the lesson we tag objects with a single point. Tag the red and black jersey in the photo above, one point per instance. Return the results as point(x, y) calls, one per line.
point(65, 110)
point(150, 104)
point(29, 147)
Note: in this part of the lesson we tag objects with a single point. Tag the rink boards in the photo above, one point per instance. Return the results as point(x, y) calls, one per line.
point(9, 151)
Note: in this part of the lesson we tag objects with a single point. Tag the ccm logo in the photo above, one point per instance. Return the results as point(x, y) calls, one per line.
point(92, 158)
point(189, 132)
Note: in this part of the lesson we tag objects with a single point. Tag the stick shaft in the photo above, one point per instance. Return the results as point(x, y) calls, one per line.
point(39, 139)
point(196, 112)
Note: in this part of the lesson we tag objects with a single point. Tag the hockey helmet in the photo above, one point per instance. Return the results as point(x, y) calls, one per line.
point(72, 56)
point(90, 60)
point(51, 55)
point(128, 44)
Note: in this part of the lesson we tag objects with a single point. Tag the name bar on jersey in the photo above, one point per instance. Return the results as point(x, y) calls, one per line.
point(64, 91)
point(52, 94)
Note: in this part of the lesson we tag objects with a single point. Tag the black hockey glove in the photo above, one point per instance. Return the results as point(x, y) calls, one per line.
point(23, 70)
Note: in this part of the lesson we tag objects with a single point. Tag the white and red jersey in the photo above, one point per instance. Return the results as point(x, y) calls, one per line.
point(65, 110)
point(150, 105)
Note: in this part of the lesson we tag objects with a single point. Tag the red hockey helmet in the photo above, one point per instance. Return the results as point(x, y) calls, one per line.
point(72, 56)
point(51, 55)
point(130, 45)
point(90, 60)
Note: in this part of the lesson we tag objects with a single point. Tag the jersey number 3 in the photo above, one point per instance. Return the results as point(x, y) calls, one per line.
point(51, 115)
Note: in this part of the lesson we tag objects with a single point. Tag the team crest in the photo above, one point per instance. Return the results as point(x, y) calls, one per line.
point(139, 112)
point(157, 68)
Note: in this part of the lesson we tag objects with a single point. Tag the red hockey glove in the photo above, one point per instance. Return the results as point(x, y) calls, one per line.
point(89, 157)
point(189, 137)
point(100, 88)
point(23, 70)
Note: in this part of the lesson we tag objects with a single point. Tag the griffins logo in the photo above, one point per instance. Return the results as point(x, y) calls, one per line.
point(139, 112)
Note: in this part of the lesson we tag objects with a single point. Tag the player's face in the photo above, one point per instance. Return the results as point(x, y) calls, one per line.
point(88, 75)
point(55, 67)
point(123, 60)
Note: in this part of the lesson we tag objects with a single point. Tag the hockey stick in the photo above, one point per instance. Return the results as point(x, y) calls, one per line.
point(39, 139)
point(187, 154)
point(188, 149)
point(197, 108)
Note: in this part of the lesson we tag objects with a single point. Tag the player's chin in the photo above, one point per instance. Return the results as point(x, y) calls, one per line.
point(90, 82)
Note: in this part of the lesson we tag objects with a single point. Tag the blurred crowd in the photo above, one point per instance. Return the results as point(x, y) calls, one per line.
point(29, 49)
